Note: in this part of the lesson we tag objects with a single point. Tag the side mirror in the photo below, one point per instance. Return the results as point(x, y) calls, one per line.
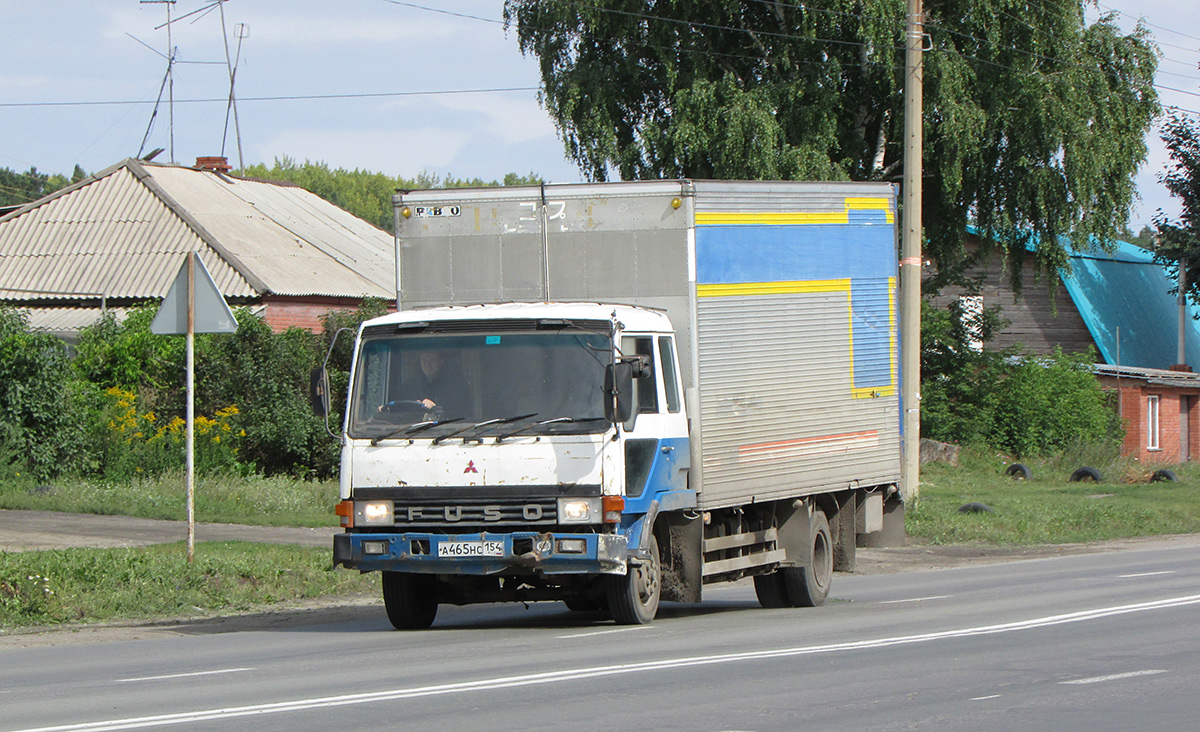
point(640, 364)
point(318, 391)
point(618, 392)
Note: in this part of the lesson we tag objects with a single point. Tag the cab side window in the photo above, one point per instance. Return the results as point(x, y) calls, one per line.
point(646, 388)
point(666, 349)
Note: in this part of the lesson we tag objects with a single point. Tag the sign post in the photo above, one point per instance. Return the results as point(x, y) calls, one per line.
point(192, 305)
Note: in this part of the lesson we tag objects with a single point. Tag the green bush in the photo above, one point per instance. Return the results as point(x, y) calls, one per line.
point(1049, 404)
point(39, 400)
point(1020, 403)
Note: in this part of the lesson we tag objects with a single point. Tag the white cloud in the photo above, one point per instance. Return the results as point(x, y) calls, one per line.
point(513, 119)
point(394, 152)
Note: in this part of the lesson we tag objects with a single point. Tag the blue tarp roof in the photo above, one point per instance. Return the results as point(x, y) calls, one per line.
point(1125, 300)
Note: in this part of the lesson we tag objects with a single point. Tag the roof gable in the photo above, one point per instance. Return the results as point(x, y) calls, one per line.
point(123, 233)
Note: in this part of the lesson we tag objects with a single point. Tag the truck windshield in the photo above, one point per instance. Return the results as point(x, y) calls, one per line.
point(479, 384)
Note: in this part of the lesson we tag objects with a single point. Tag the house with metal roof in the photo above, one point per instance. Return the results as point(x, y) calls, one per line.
point(1121, 304)
point(117, 238)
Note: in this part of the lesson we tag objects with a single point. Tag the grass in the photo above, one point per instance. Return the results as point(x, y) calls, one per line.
point(88, 585)
point(1049, 509)
point(256, 500)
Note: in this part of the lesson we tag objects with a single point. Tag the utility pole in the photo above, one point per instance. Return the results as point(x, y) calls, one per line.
point(910, 255)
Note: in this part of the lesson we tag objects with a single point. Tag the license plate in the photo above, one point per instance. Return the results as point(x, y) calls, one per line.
point(470, 549)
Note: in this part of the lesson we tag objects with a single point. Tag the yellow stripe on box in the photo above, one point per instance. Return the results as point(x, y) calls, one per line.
point(743, 289)
point(794, 218)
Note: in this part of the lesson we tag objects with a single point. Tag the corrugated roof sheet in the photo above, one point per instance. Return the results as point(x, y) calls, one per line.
point(123, 234)
point(1126, 302)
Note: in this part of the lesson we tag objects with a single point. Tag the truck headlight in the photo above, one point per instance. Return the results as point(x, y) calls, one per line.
point(579, 510)
point(374, 513)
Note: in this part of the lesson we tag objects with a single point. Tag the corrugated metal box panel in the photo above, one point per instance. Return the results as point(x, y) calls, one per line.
point(781, 414)
point(293, 241)
point(796, 335)
point(624, 243)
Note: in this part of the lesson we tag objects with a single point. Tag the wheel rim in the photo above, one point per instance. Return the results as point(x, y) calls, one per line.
point(647, 582)
point(822, 560)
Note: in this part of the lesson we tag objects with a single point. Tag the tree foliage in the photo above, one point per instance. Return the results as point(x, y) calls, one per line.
point(1180, 238)
point(365, 194)
point(1034, 120)
point(17, 189)
point(39, 428)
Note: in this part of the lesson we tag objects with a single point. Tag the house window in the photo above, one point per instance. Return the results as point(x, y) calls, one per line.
point(1152, 442)
point(970, 312)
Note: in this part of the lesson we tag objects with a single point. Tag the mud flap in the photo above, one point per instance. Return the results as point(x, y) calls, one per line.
point(794, 519)
point(682, 558)
point(842, 527)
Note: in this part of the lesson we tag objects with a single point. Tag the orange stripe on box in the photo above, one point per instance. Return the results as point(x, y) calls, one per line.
point(824, 443)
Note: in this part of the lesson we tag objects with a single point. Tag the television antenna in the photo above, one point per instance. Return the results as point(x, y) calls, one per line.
point(241, 31)
point(168, 84)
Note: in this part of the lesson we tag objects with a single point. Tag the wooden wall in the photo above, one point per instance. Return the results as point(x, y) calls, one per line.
point(1039, 320)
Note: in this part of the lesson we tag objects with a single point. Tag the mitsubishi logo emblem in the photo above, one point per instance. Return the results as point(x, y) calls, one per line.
point(471, 467)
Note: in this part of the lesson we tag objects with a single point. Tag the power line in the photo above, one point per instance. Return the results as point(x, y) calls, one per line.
point(281, 98)
point(1142, 19)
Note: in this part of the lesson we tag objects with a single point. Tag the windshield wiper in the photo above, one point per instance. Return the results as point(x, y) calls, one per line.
point(556, 420)
point(485, 423)
point(412, 429)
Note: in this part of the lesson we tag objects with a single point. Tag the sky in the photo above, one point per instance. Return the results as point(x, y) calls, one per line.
point(436, 86)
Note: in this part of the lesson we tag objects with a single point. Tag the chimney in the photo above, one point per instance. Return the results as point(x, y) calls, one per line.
point(215, 164)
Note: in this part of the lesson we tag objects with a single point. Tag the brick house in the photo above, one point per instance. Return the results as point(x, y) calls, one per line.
point(1121, 305)
point(117, 238)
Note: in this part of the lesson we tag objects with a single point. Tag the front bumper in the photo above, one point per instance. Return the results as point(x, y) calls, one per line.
point(523, 553)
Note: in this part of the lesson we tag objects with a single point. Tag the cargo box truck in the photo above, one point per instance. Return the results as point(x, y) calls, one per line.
point(614, 394)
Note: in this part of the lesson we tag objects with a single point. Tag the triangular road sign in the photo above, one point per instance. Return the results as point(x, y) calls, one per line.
point(212, 314)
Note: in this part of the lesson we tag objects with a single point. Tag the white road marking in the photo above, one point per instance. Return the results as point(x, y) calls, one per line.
point(1116, 677)
point(982, 698)
point(589, 634)
point(595, 672)
point(182, 676)
point(914, 599)
point(1146, 574)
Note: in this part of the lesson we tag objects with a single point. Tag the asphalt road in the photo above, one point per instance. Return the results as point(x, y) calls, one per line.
point(1098, 641)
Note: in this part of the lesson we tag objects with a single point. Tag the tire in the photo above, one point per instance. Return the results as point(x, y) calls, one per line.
point(1164, 476)
point(808, 586)
point(410, 600)
point(769, 589)
point(975, 508)
point(1086, 474)
point(633, 599)
point(1019, 471)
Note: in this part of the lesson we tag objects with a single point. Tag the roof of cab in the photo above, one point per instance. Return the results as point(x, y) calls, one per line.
point(632, 317)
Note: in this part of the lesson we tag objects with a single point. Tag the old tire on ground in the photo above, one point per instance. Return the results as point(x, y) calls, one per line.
point(805, 586)
point(1085, 474)
point(633, 598)
point(410, 600)
point(1019, 471)
point(1162, 475)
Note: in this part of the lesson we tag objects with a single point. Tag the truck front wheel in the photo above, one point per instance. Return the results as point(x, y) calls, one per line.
point(410, 599)
point(633, 598)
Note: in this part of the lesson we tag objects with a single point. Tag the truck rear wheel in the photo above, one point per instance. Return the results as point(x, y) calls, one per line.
point(410, 600)
point(633, 599)
point(806, 586)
